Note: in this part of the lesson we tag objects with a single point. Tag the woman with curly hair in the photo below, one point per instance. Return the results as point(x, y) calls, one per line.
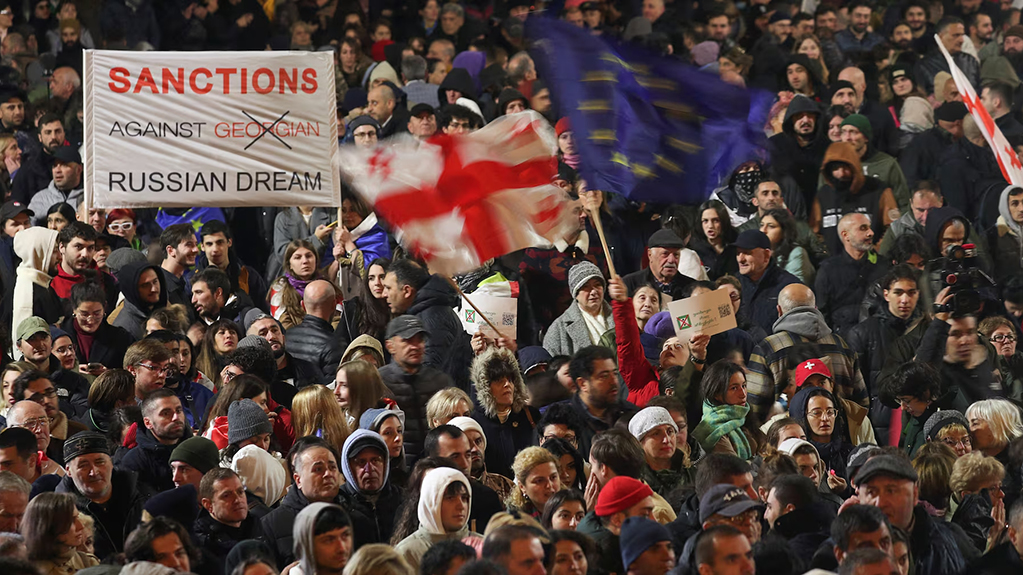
point(220, 339)
point(301, 266)
point(537, 478)
point(508, 423)
point(780, 227)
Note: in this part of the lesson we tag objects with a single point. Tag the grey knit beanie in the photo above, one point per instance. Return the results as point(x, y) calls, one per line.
point(122, 257)
point(255, 341)
point(942, 419)
point(245, 419)
point(581, 273)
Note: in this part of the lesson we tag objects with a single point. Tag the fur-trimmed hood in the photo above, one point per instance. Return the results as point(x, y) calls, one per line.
point(496, 360)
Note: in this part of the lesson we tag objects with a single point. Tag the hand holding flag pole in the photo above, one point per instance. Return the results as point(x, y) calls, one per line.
point(478, 312)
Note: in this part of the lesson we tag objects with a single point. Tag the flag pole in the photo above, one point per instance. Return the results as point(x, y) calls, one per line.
point(476, 309)
point(595, 215)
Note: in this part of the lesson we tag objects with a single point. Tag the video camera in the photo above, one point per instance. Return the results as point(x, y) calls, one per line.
point(959, 272)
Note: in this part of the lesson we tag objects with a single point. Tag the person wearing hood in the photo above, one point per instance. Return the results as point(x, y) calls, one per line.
point(801, 77)
point(389, 424)
point(224, 520)
point(366, 137)
point(1006, 238)
point(873, 338)
point(511, 101)
point(411, 290)
point(444, 503)
point(500, 484)
point(508, 423)
point(316, 484)
point(846, 190)
point(371, 500)
point(457, 84)
point(761, 279)
point(66, 185)
point(856, 130)
point(265, 478)
point(798, 149)
point(143, 287)
point(843, 279)
point(323, 540)
point(916, 117)
point(808, 460)
point(165, 428)
point(800, 323)
point(822, 418)
point(589, 317)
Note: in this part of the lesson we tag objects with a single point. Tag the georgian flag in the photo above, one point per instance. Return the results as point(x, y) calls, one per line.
point(460, 200)
point(1008, 161)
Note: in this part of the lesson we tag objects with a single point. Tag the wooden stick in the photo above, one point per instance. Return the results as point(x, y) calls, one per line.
point(481, 314)
point(595, 215)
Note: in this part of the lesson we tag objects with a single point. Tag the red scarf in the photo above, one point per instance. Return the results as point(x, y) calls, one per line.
point(84, 340)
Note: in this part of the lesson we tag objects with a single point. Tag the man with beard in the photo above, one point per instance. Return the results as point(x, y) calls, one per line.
point(856, 131)
point(981, 30)
point(193, 395)
point(843, 279)
point(1012, 47)
point(477, 456)
point(952, 33)
point(996, 97)
point(902, 37)
point(847, 190)
point(919, 161)
point(12, 115)
point(799, 148)
point(66, 185)
point(857, 39)
point(143, 289)
point(77, 246)
point(177, 241)
point(212, 297)
point(663, 249)
point(292, 373)
point(885, 133)
point(596, 399)
point(37, 167)
point(165, 427)
point(917, 15)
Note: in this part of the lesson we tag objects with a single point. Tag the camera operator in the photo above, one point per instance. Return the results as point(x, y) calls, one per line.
point(951, 344)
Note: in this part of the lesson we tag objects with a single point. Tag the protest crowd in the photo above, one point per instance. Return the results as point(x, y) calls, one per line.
point(257, 391)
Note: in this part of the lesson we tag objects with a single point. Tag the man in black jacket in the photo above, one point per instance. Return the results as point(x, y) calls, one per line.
point(409, 289)
point(292, 373)
point(92, 479)
point(316, 479)
point(313, 339)
point(843, 279)
point(798, 149)
point(952, 32)
point(409, 379)
point(224, 519)
point(165, 428)
point(797, 516)
point(371, 500)
point(762, 279)
point(919, 161)
point(663, 249)
point(37, 168)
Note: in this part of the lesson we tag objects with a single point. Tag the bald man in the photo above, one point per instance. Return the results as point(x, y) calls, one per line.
point(885, 133)
point(843, 279)
point(383, 106)
point(800, 323)
point(313, 340)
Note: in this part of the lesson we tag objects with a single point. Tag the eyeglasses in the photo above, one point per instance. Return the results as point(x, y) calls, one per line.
point(818, 413)
point(953, 443)
point(165, 371)
point(360, 463)
point(37, 423)
point(87, 316)
point(6, 12)
point(734, 296)
point(743, 518)
point(122, 227)
point(64, 349)
point(41, 397)
point(569, 438)
point(1003, 338)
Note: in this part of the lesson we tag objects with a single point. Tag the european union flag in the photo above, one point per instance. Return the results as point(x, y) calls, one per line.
point(648, 127)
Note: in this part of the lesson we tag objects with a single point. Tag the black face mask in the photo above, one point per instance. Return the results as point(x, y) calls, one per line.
point(746, 185)
point(842, 185)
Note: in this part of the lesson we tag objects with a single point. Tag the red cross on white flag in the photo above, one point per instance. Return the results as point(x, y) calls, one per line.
point(1008, 161)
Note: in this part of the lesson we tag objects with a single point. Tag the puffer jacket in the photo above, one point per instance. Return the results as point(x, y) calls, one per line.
point(313, 341)
point(447, 347)
point(411, 391)
point(518, 431)
point(865, 195)
point(132, 317)
point(934, 545)
point(150, 459)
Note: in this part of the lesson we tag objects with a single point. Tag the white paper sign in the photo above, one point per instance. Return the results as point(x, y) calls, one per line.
point(708, 314)
point(228, 129)
point(502, 311)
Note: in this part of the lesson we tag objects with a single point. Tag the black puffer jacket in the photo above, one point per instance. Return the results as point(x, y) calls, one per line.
point(974, 517)
point(218, 539)
point(277, 526)
point(447, 347)
point(803, 530)
point(372, 521)
point(119, 517)
point(313, 341)
point(411, 392)
point(150, 459)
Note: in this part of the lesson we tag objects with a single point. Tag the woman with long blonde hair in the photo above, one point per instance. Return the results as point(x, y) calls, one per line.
point(314, 411)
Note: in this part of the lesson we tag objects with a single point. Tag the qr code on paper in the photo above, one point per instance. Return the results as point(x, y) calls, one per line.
point(725, 310)
point(508, 319)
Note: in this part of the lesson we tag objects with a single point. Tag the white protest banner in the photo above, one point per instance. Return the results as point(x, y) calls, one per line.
point(708, 314)
point(228, 129)
point(502, 311)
